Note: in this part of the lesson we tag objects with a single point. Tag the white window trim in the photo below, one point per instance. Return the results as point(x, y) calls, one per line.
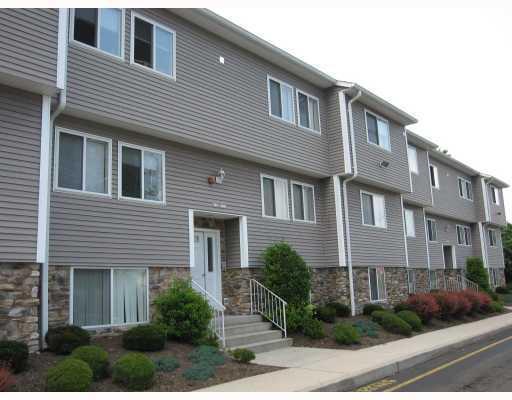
point(413, 222)
point(454, 254)
point(362, 210)
point(263, 198)
point(463, 227)
point(417, 172)
point(97, 48)
point(489, 238)
point(56, 187)
point(120, 196)
point(496, 192)
point(464, 191)
point(433, 272)
point(380, 299)
point(71, 287)
point(435, 222)
point(282, 83)
point(132, 48)
point(319, 132)
point(303, 202)
point(436, 177)
point(413, 281)
point(366, 111)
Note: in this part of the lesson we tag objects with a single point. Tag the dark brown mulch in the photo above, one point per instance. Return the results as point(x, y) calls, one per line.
point(33, 380)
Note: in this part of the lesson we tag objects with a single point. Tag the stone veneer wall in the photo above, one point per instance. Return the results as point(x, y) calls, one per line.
point(501, 277)
point(330, 285)
point(19, 303)
point(422, 280)
point(235, 289)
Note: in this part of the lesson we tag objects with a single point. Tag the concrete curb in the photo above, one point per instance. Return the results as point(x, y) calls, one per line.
point(393, 368)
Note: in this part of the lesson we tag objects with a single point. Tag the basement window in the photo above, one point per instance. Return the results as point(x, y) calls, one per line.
point(376, 276)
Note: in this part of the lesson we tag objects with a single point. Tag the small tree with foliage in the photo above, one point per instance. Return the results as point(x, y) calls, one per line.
point(506, 238)
point(476, 272)
point(287, 274)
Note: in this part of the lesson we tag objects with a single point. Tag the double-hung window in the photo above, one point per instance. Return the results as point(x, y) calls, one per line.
point(280, 98)
point(274, 193)
point(109, 296)
point(141, 173)
point(495, 195)
point(153, 46)
point(373, 209)
point(376, 277)
point(377, 130)
point(411, 280)
point(412, 154)
point(309, 111)
point(432, 230)
point(463, 235)
point(303, 202)
point(465, 189)
point(493, 239)
point(101, 28)
point(433, 280)
point(410, 227)
point(434, 176)
point(83, 162)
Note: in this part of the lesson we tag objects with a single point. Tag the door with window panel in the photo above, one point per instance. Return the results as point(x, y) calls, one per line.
point(206, 270)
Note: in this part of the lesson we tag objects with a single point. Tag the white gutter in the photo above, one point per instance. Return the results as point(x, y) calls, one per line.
point(345, 204)
point(347, 161)
point(483, 244)
point(405, 231)
point(486, 199)
point(426, 237)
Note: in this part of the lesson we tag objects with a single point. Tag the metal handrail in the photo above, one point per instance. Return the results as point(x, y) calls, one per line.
point(265, 302)
point(459, 283)
point(217, 322)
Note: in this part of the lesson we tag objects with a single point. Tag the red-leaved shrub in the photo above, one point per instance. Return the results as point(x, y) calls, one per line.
point(424, 305)
point(463, 305)
point(6, 379)
point(485, 303)
point(474, 299)
point(448, 303)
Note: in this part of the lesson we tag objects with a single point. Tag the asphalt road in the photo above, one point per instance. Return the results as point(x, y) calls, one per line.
point(485, 366)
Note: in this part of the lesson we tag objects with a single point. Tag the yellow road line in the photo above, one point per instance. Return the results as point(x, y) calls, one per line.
point(444, 366)
point(373, 387)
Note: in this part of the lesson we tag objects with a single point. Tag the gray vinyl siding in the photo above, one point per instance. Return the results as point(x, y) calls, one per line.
point(328, 215)
point(89, 230)
point(28, 43)
point(416, 246)
point(372, 245)
point(478, 192)
point(369, 156)
point(494, 254)
point(232, 243)
point(334, 132)
point(420, 182)
point(496, 211)
point(218, 106)
point(447, 201)
point(20, 139)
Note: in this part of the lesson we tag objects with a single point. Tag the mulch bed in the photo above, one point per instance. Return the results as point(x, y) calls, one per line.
point(33, 379)
point(328, 342)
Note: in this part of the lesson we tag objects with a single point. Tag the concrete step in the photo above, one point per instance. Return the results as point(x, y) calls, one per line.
point(248, 338)
point(233, 330)
point(230, 320)
point(261, 347)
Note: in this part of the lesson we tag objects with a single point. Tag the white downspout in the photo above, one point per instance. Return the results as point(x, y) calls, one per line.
point(345, 203)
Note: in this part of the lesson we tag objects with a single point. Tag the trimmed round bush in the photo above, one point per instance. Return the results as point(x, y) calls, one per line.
point(95, 357)
point(64, 339)
point(313, 328)
point(497, 307)
point(185, 313)
point(207, 355)
point(401, 307)
point(485, 303)
point(134, 371)
point(150, 337)
point(412, 319)
point(392, 323)
point(448, 304)
point(199, 372)
point(424, 305)
point(243, 355)
point(167, 364)
point(342, 310)
point(326, 313)
point(502, 290)
point(368, 309)
point(344, 333)
point(474, 300)
point(69, 375)
point(14, 354)
point(463, 305)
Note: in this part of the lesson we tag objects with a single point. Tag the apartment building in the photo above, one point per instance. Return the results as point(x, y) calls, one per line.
point(142, 145)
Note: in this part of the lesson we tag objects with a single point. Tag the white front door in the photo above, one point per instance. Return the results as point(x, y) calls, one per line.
point(206, 271)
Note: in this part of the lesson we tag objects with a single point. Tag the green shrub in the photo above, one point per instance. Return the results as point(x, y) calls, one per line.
point(502, 290)
point(294, 318)
point(209, 340)
point(184, 312)
point(342, 310)
point(344, 333)
point(476, 272)
point(401, 307)
point(14, 354)
point(497, 307)
point(326, 313)
point(207, 355)
point(150, 337)
point(313, 328)
point(166, 364)
point(134, 371)
point(69, 375)
point(64, 339)
point(392, 323)
point(368, 309)
point(286, 274)
point(366, 328)
point(95, 357)
point(199, 372)
point(243, 355)
point(412, 319)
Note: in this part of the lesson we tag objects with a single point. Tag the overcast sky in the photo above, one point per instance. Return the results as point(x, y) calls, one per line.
point(449, 67)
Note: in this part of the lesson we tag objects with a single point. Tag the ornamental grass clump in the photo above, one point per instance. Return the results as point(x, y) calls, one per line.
point(244, 356)
point(166, 364)
point(207, 355)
